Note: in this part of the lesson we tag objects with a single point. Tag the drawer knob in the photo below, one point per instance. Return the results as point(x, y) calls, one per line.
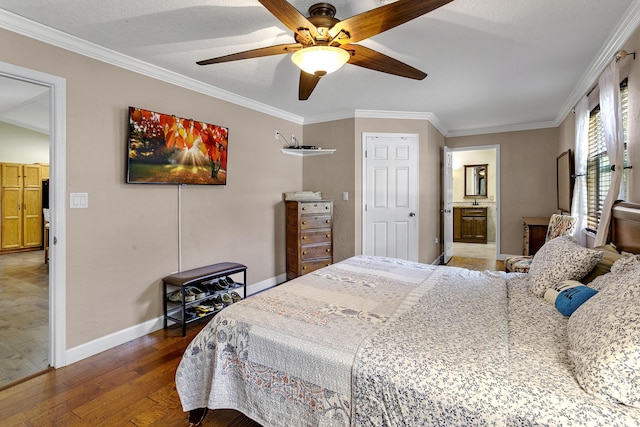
point(304, 252)
point(326, 207)
point(327, 235)
point(304, 222)
point(304, 208)
point(327, 250)
point(304, 267)
point(328, 221)
point(304, 237)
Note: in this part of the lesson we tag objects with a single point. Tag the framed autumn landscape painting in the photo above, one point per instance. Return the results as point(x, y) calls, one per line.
point(165, 149)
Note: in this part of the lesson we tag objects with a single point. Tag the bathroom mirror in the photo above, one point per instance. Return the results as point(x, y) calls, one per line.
point(475, 180)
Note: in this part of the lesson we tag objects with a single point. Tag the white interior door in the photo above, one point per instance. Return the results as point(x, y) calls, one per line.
point(447, 211)
point(390, 226)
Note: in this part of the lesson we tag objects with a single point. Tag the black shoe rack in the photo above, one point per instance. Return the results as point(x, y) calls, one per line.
point(214, 281)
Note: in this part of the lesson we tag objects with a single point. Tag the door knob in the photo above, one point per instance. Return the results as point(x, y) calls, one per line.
point(412, 214)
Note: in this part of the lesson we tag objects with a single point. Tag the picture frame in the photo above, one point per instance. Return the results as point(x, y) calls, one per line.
point(166, 149)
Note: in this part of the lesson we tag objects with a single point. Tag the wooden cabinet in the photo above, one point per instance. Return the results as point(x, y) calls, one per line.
point(470, 225)
point(21, 206)
point(535, 233)
point(309, 236)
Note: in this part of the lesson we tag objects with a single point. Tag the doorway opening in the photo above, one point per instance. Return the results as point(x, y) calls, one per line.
point(33, 113)
point(24, 199)
point(476, 214)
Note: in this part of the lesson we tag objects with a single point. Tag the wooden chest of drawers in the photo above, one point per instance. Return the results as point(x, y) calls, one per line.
point(309, 237)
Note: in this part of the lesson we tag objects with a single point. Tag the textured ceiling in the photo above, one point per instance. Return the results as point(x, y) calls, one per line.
point(491, 64)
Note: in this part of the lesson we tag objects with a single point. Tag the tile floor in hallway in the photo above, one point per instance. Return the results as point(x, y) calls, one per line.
point(24, 315)
point(474, 250)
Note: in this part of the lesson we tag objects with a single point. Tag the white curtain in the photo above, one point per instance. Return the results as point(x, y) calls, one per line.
point(611, 113)
point(579, 202)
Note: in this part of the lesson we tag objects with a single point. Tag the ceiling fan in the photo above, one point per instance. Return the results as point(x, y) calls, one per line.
point(325, 43)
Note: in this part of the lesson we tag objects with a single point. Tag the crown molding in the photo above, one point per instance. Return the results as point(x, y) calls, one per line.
point(340, 115)
point(500, 129)
point(404, 115)
point(45, 34)
point(379, 114)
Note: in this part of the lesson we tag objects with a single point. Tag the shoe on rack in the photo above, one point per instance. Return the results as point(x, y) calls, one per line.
point(203, 310)
point(235, 297)
point(217, 285)
point(177, 296)
point(210, 284)
point(225, 298)
point(223, 284)
point(229, 282)
point(189, 314)
point(199, 293)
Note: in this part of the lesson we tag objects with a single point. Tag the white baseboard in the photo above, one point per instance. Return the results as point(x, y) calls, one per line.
point(107, 342)
point(266, 284)
point(439, 260)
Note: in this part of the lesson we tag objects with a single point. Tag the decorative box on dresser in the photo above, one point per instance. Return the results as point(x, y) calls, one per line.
point(309, 238)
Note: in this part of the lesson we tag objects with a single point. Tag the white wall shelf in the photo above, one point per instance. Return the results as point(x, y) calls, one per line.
point(308, 152)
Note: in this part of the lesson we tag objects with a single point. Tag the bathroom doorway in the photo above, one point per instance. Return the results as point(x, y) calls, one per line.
point(482, 206)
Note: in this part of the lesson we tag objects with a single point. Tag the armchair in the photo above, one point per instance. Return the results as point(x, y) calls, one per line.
point(559, 225)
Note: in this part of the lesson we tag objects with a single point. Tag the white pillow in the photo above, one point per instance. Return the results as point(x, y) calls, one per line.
point(604, 338)
point(560, 259)
point(619, 271)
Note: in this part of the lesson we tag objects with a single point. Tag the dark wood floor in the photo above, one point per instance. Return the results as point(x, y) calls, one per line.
point(129, 385)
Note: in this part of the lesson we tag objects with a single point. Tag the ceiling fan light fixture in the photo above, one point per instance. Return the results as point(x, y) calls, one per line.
point(320, 60)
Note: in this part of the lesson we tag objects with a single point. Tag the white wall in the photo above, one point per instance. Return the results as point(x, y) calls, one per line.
point(20, 145)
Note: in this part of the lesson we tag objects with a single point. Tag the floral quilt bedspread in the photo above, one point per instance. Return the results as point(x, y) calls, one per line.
point(284, 357)
point(375, 341)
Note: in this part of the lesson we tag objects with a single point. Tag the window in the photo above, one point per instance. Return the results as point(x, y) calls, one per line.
point(598, 168)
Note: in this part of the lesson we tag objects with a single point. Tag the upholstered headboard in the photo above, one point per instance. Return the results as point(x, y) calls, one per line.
point(625, 227)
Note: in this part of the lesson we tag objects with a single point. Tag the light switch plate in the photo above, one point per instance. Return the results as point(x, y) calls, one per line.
point(78, 200)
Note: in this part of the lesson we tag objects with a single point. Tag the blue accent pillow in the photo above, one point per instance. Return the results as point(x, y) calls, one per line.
point(570, 299)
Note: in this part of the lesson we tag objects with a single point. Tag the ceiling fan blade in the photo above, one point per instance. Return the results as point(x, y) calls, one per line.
point(294, 20)
point(383, 18)
point(308, 83)
point(373, 60)
point(254, 53)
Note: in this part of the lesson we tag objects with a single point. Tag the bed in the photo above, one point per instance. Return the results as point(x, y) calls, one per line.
point(374, 341)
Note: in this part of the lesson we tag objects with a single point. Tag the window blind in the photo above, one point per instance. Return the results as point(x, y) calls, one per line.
point(598, 167)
